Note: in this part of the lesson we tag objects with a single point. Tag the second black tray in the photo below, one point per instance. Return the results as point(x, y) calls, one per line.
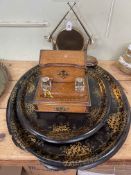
point(64, 127)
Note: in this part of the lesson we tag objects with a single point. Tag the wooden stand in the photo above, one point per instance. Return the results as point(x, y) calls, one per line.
point(63, 68)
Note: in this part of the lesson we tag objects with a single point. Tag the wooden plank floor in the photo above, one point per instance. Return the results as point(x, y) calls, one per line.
point(10, 154)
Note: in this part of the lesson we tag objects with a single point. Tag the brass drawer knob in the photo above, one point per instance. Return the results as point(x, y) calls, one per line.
point(61, 109)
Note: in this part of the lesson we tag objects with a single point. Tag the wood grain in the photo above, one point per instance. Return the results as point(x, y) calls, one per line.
point(62, 57)
point(10, 153)
point(111, 67)
point(17, 68)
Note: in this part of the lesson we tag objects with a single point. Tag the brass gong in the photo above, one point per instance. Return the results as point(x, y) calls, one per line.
point(69, 40)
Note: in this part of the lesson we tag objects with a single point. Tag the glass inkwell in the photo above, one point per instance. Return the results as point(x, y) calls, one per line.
point(46, 86)
point(79, 84)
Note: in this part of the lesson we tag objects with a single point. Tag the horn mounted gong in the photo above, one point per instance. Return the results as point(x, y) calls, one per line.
point(70, 39)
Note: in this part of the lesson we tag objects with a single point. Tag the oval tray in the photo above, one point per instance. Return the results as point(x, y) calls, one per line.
point(64, 127)
point(87, 153)
point(3, 78)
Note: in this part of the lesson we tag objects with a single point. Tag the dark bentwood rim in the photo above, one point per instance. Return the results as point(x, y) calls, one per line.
point(26, 124)
point(58, 165)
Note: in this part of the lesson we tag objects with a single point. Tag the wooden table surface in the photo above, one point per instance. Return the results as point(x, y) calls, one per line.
point(10, 154)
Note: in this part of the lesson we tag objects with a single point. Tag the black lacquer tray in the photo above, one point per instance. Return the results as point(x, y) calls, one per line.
point(3, 78)
point(83, 154)
point(63, 127)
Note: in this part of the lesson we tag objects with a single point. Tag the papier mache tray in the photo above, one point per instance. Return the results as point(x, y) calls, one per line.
point(86, 153)
point(3, 78)
point(63, 127)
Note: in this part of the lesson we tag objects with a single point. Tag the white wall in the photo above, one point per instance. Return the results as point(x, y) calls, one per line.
point(25, 43)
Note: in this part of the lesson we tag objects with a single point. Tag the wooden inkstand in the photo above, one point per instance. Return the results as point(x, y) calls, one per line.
point(63, 83)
